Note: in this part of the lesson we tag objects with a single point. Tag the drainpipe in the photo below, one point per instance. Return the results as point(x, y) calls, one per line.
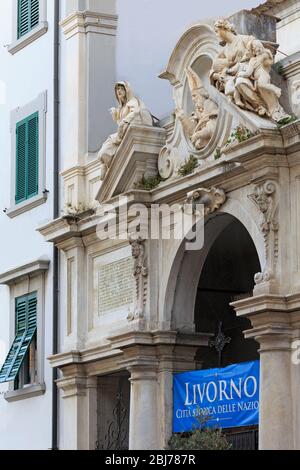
point(55, 216)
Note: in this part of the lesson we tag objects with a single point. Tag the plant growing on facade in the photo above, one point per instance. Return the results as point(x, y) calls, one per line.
point(286, 121)
point(81, 208)
point(239, 134)
point(147, 184)
point(200, 439)
point(217, 153)
point(279, 69)
point(188, 166)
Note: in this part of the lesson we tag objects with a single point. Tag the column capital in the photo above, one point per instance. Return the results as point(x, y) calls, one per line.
point(74, 381)
point(72, 386)
point(84, 22)
point(273, 319)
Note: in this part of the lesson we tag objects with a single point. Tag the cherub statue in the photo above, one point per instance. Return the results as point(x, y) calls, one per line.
point(200, 126)
point(254, 83)
point(130, 110)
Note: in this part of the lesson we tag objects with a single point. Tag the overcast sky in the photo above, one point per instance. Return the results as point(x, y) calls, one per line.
point(147, 34)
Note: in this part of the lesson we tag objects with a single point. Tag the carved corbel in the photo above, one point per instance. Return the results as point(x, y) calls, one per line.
point(265, 198)
point(212, 199)
point(140, 274)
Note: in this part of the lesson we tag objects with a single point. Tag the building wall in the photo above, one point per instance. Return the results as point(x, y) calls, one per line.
point(25, 424)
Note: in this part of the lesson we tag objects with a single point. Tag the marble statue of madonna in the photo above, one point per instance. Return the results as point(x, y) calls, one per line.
point(242, 72)
point(130, 110)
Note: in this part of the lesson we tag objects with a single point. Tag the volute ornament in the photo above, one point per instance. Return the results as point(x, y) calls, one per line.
point(264, 197)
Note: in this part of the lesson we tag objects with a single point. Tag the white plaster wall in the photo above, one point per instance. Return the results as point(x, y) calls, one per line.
point(288, 36)
point(25, 424)
point(147, 34)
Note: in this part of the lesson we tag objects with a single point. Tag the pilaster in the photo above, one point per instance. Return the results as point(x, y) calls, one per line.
point(274, 320)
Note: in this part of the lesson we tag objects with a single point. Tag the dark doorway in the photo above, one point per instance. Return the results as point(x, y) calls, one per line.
point(227, 275)
point(113, 412)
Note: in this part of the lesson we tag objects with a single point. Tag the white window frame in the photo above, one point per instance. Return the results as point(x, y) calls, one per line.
point(35, 33)
point(22, 281)
point(38, 105)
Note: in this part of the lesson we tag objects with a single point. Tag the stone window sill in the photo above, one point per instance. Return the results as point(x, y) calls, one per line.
point(28, 38)
point(27, 205)
point(24, 393)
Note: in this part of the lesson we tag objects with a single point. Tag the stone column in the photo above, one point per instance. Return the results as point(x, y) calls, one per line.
point(79, 410)
point(270, 319)
point(143, 421)
point(174, 358)
point(152, 358)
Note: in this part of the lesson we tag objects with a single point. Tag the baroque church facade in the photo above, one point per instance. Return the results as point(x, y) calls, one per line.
point(135, 306)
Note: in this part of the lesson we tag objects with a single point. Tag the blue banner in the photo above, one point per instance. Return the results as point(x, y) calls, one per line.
point(222, 398)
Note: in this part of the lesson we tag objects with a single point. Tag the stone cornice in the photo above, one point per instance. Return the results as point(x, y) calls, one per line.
point(85, 356)
point(267, 6)
point(35, 268)
point(110, 357)
point(266, 303)
point(273, 319)
point(59, 229)
point(267, 142)
point(81, 170)
point(84, 22)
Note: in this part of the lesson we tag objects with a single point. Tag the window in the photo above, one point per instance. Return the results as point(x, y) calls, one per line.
point(28, 156)
point(23, 368)
point(28, 16)
point(29, 23)
point(27, 160)
point(19, 365)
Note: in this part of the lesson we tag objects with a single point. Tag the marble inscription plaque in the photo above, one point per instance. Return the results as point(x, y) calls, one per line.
point(115, 285)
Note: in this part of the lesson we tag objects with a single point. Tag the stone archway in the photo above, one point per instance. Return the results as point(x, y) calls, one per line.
point(198, 272)
point(227, 275)
point(179, 294)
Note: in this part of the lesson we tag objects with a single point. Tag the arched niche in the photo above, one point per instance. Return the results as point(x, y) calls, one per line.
point(196, 49)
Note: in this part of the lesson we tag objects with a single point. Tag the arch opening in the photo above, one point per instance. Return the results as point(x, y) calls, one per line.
point(227, 275)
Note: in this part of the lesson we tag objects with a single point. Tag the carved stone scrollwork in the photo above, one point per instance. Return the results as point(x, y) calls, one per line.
point(166, 162)
point(140, 274)
point(265, 199)
point(212, 199)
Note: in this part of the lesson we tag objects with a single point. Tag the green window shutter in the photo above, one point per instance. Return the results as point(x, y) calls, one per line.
point(28, 16)
point(26, 325)
point(33, 156)
point(27, 158)
point(21, 163)
point(34, 13)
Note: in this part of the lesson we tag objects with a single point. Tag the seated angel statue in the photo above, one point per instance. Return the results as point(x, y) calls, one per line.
point(200, 126)
point(130, 110)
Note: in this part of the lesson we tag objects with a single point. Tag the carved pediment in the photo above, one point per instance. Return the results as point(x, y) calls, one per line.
point(136, 157)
